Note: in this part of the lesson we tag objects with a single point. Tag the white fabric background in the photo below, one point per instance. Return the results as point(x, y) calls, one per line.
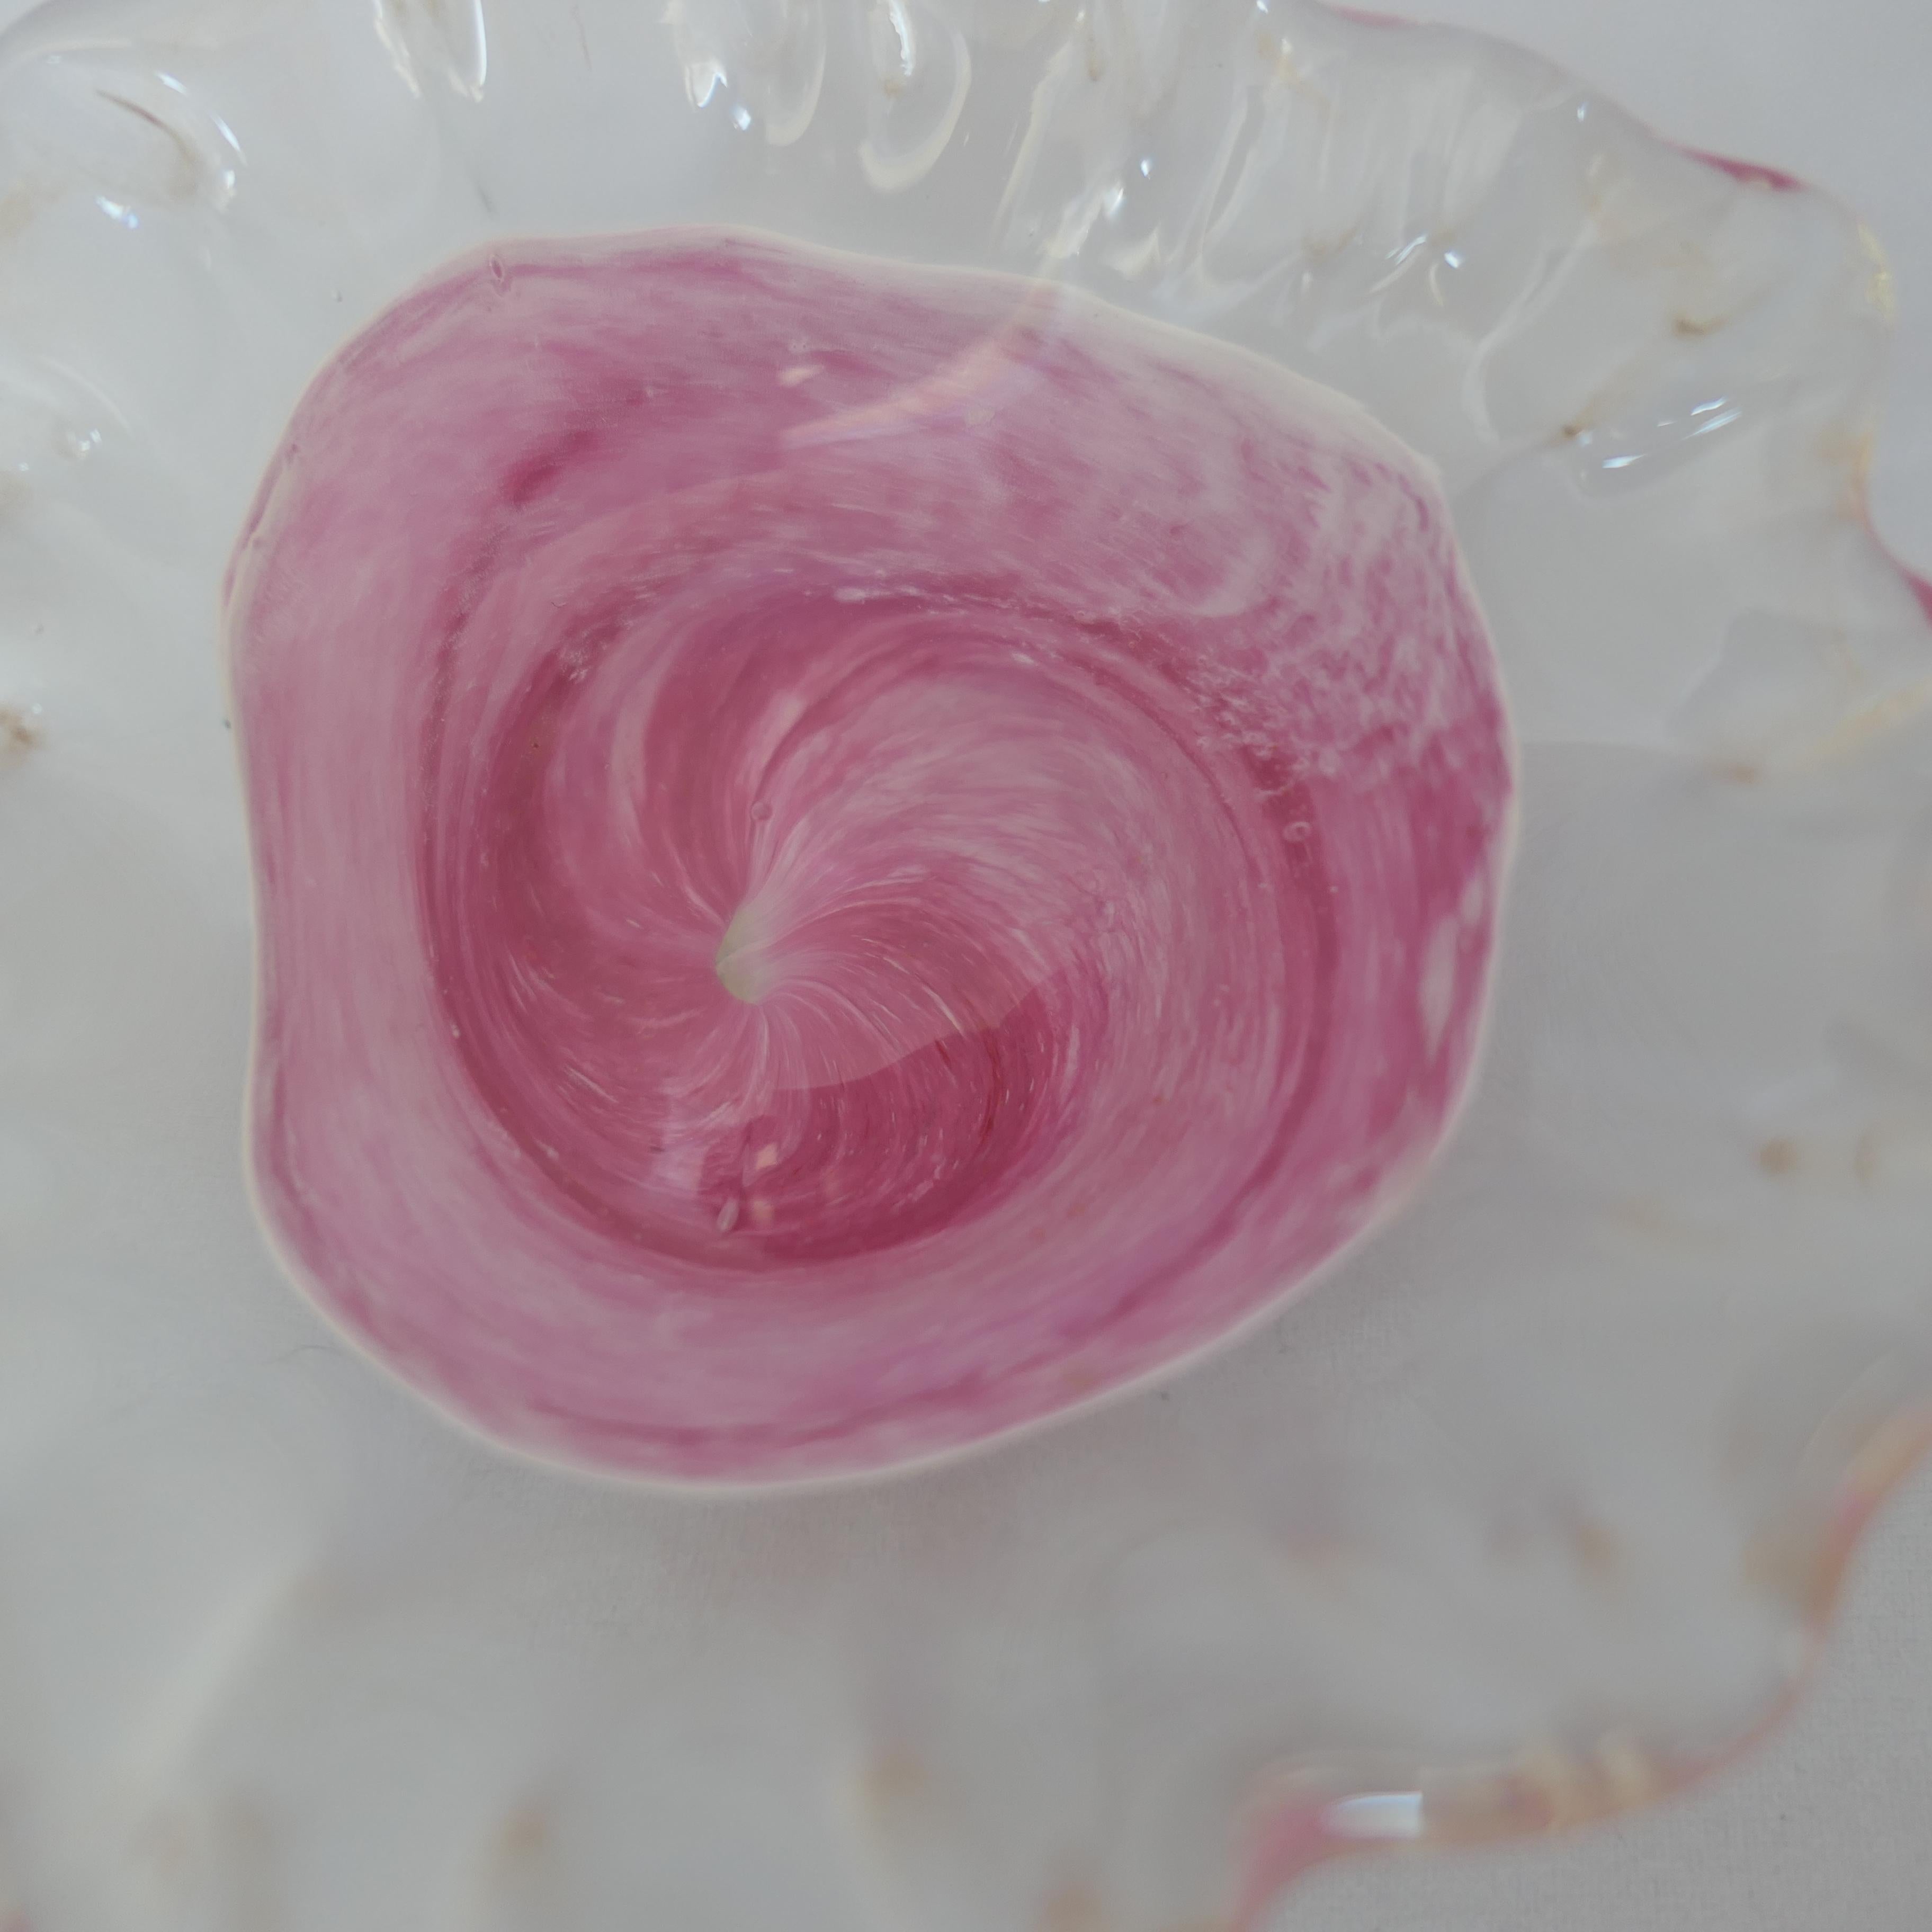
point(1829, 1828)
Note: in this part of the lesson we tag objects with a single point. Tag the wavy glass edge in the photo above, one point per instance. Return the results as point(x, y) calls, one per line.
point(1854, 1443)
point(1315, 1816)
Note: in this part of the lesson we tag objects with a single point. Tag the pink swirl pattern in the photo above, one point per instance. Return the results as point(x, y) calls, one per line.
point(846, 857)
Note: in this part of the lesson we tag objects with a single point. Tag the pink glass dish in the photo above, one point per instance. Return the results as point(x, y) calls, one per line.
point(1531, 1509)
point(843, 858)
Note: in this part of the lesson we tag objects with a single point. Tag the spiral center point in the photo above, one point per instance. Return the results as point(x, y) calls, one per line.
point(743, 963)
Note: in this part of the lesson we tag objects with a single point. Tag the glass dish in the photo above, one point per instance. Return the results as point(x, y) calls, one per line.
point(1532, 1509)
